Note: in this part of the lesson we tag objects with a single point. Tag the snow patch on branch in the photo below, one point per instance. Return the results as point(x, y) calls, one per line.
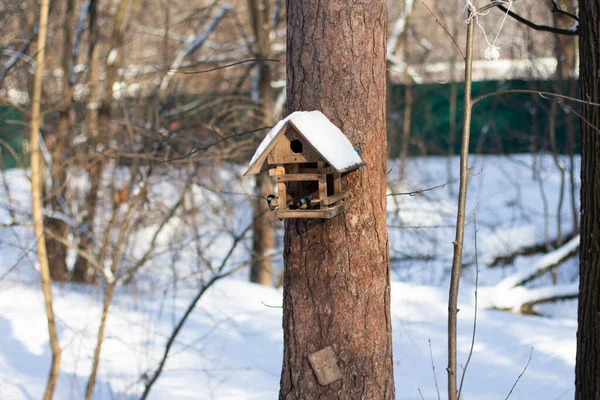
point(543, 264)
point(516, 298)
point(509, 294)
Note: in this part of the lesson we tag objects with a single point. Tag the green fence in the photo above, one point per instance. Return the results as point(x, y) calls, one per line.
point(13, 134)
point(508, 123)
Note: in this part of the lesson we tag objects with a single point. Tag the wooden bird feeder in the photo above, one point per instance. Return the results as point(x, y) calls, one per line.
point(307, 155)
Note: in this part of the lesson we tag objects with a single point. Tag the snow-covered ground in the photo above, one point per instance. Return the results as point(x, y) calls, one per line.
point(231, 346)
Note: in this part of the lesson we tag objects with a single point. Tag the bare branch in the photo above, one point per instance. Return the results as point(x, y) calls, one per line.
point(85, 8)
point(431, 189)
point(192, 43)
point(16, 56)
point(519, 377)
point(255, 60)
point(216, 277)
point(439, 22)
point(538, 27)
point(437, 389)
point(464, 371)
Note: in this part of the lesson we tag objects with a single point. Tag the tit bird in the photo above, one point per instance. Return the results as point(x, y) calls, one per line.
point(290, 201)
point(270, 199)
point(304, 203)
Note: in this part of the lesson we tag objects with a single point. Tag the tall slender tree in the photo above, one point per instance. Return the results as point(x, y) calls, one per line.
point(37, 178)
point(587, 370)
point(263, 238)
point(336, 282)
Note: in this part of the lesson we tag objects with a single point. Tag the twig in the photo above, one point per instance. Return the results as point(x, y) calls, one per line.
point(547, 96)
point(20, 54)
point(439, 22)
point(85, 254)
point(537, 27)
point(519, 377)
point(216, 277)
point(225, 66)
point(431, 189)
point(544, 95)
point(85, 8)
point(25, 253)
point(437, 389)
point(192, 43)
point(422, 226)
point(462, 378)
point(110, 153)
point(203, 186)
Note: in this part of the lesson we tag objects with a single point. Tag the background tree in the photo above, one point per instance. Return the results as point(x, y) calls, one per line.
point(336, 282)
point(587, 369)
point(57, 144)
point(263, 238)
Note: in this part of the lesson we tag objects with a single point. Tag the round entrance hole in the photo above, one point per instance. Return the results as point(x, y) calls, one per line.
point(296, 146)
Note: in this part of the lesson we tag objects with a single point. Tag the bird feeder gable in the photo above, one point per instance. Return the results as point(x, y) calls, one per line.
point(293, 148)
point(307, 155)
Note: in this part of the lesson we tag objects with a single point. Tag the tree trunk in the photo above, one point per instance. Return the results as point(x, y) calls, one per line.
point(263, 238)
point(82, 270)
point(336, 284)
point(57, 252)
point(587, 369)
point(406, 122)
point(37, 177)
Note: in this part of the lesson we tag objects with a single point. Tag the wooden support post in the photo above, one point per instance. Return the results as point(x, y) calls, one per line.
point(281, 189)
point(294, 186)
point(322, 185)
point(337, 183)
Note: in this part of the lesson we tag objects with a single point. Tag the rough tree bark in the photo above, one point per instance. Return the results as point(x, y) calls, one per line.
point(587, 369)
point(263, 238)
point(336, 282)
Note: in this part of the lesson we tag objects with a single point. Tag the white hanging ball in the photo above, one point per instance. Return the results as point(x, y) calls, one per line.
point(492, 53)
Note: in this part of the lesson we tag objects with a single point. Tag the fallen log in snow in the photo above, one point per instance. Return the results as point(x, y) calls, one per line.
point(544, 264)
point(509, 294)
point(530, 250)
point(547, 295)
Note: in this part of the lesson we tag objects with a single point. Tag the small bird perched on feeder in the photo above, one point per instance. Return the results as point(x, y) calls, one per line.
point(270, 199)
point(274, 205)
point(304, 202)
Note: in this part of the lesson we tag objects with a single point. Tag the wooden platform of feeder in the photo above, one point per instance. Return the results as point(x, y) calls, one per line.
point(326, 213)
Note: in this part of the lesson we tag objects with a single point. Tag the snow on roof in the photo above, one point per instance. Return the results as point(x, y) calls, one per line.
point(322, 134)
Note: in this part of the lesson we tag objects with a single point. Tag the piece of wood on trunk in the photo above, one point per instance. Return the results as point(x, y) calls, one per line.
point(324, 364)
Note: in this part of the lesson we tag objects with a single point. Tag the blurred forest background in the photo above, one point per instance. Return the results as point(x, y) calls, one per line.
point(151, 109)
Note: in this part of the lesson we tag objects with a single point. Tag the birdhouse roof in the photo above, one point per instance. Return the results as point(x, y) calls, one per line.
point(326, 138)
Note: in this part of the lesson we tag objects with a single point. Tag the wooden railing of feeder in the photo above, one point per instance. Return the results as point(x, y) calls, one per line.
point(322, 204)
